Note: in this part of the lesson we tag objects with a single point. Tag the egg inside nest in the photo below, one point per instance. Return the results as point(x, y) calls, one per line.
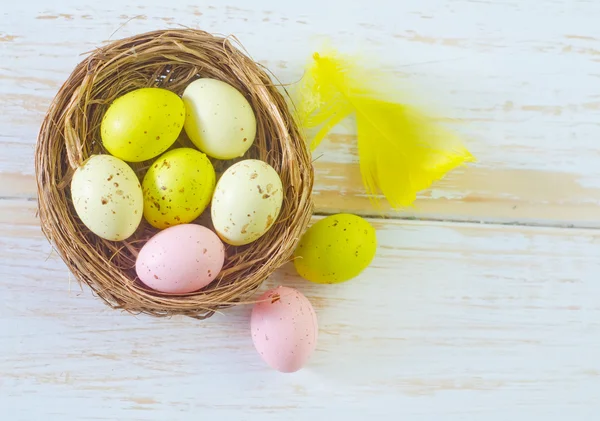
point(124, 258)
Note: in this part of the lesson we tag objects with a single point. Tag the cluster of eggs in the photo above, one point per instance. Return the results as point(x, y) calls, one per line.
point(180, 184)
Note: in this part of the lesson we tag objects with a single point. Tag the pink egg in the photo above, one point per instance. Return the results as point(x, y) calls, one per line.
point(180, 259)
point(284, 328)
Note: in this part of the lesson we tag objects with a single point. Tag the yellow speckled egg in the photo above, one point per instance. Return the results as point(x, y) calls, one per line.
point(107, 197)
point(219, 120)
point(142, 124)
point(177, 187)
point(335, 249)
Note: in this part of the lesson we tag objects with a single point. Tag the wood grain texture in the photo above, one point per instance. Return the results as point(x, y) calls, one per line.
point(519, 81)
point(453, 321)
point(458, 321)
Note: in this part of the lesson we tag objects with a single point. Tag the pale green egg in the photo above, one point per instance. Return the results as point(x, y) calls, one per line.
point(107, 197)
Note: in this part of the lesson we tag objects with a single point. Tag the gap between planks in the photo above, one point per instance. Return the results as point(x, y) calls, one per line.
point(531, 224)
point(381, 216)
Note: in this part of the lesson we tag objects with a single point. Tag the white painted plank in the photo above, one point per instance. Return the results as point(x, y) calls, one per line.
point(520, 78)
point(452, 321)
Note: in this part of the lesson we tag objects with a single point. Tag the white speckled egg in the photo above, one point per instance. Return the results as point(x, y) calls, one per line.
point(107, 197)
point(219, 119)
point(246, 202)
point(284, 329)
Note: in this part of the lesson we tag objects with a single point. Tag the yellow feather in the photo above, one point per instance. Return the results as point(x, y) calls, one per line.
point(401, 150)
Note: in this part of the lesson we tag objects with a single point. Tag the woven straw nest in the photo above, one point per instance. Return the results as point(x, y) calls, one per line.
point(169, 59)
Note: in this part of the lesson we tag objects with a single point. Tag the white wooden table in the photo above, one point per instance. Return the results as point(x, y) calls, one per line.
point(484, 300)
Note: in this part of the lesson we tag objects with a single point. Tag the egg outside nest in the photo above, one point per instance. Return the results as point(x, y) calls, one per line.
point(284, 329)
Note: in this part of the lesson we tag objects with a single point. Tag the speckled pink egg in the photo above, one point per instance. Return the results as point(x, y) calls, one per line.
point(284, 328)
point(180, 259)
